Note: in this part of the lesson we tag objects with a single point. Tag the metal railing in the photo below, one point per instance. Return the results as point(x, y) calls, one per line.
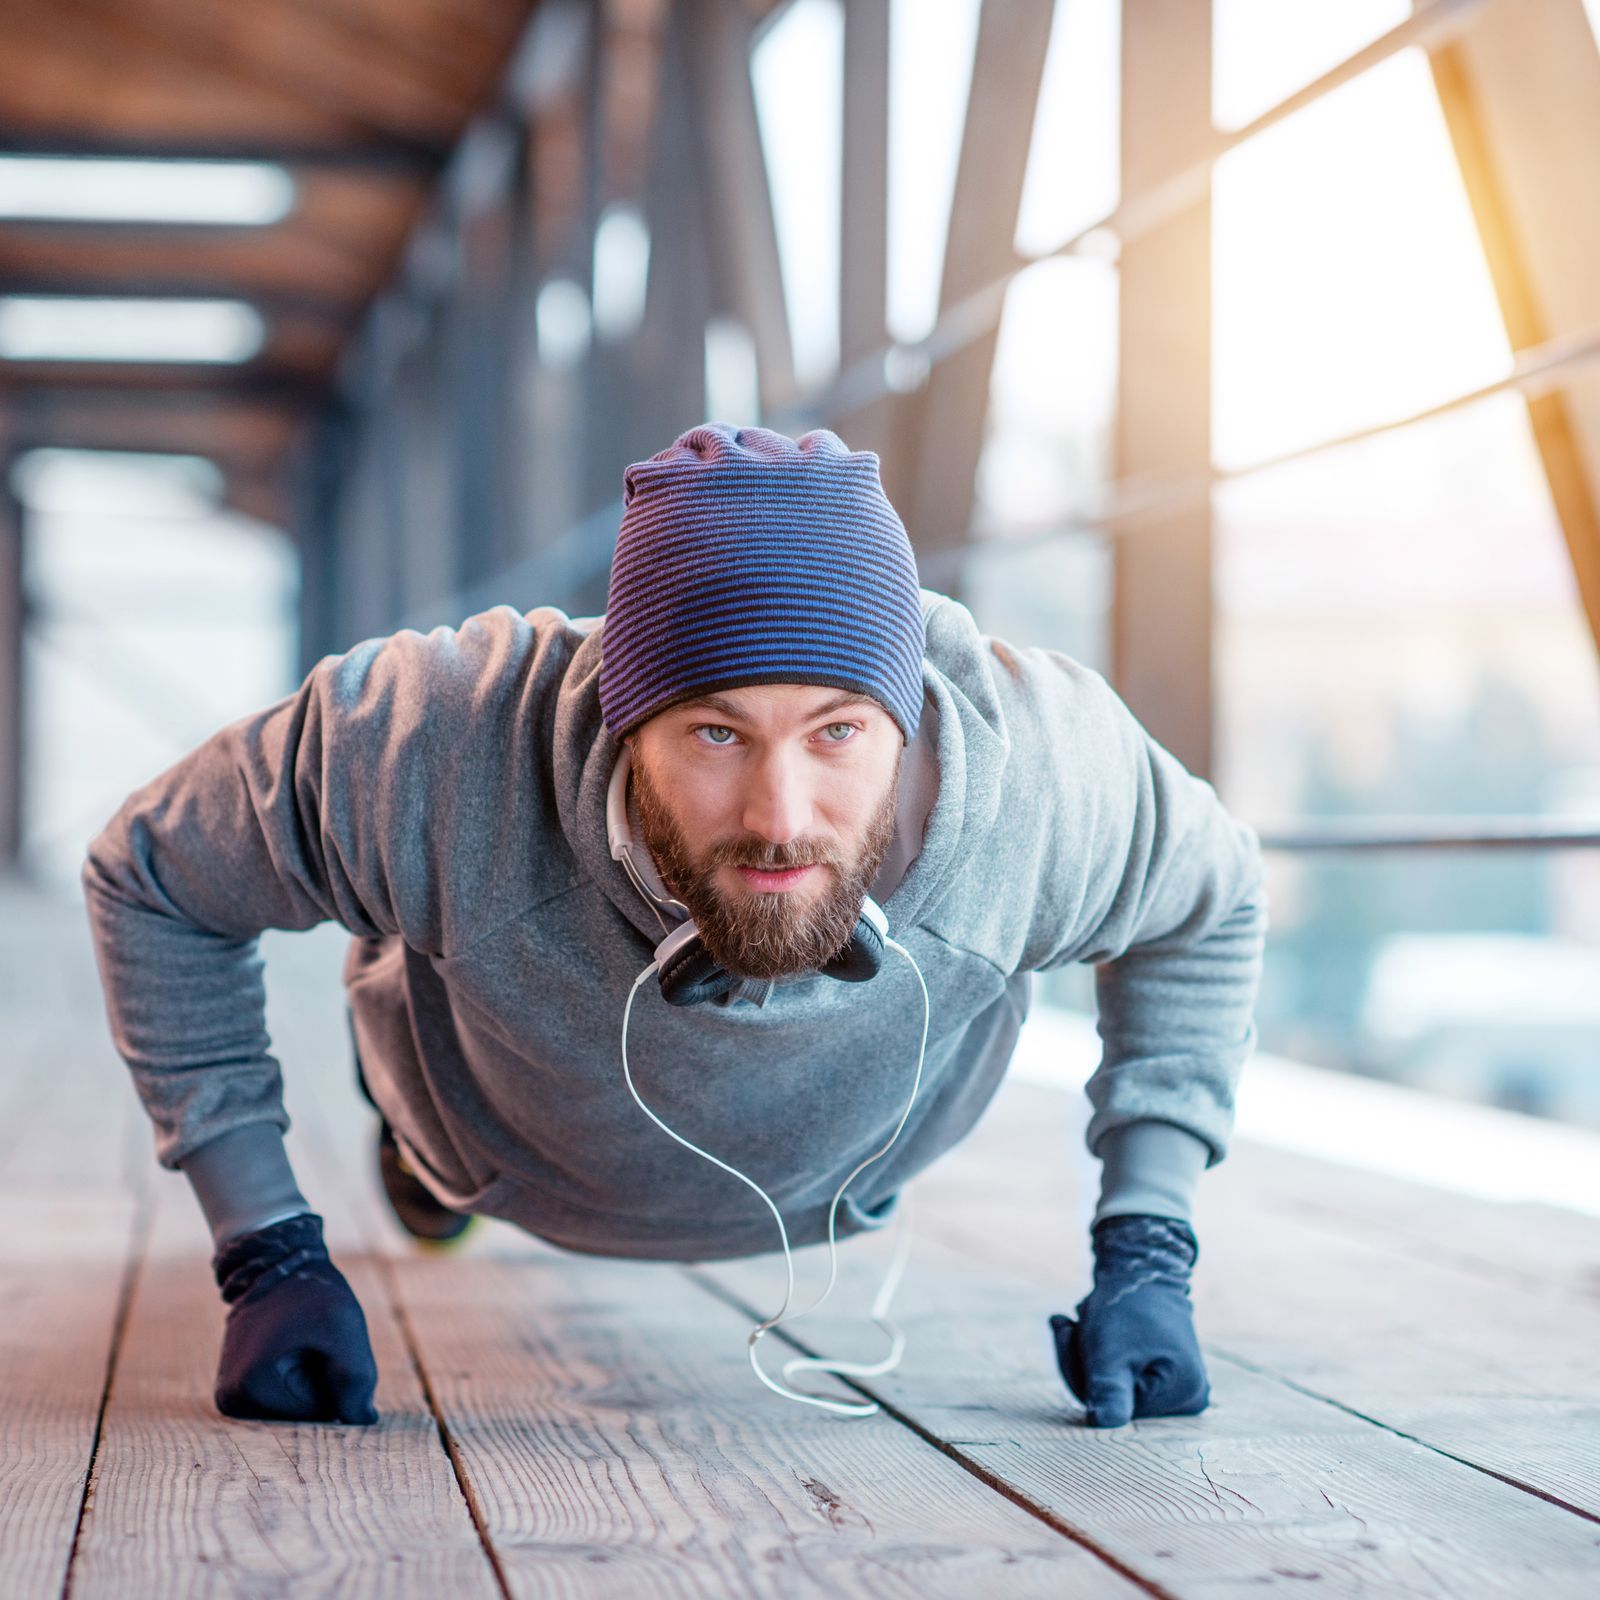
point(1431, 833)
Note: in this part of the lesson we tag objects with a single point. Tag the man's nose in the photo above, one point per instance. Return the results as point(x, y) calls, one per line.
point(777, 805)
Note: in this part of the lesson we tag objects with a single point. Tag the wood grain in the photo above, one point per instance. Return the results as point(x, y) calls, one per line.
point(618, 1442)
point(1378, 1354)
point(1500, 1370)
point(1523, 1244)
point(61, 1277)
point(1268, 1485)
point(1328, 1329)
point(72, 1231)
point(188, 1502)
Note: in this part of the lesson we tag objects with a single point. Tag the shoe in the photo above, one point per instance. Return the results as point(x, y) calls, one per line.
point(413, 1203)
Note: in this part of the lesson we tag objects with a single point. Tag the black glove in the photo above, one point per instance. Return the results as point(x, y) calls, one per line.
point(1132, 1351)
point(295, 1348)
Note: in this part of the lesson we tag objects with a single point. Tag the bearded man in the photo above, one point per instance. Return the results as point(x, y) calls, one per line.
point(772, 733)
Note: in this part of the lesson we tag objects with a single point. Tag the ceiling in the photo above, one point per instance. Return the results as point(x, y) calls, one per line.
point(362, 101)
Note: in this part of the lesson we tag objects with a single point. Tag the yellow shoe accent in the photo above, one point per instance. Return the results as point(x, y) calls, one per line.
point(444, 1247)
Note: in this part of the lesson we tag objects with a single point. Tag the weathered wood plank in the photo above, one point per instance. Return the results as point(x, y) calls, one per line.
point(1268, 1484)
point(71, 1124)
point(1505, 1377)
point(188, 1502)
point(1376, 1329)
point(66, 1104)
point(72, 1229)
point(617, 1441)
point(61, 1276)
point(649, 1444)
point(1521, 1244)
point(1503, 1374)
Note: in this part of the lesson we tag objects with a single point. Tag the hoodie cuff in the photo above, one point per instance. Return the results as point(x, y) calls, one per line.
point(243, 1181)
point(1151, 1168)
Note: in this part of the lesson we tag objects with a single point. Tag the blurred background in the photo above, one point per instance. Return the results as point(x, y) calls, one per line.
point(1244, 350)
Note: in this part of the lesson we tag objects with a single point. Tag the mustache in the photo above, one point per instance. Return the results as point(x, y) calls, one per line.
point(775, 861)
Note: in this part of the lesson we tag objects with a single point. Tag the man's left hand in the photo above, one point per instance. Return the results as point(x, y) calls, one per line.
point(1132, 1351)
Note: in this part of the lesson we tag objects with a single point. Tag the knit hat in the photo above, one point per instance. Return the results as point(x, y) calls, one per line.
point(745, 556)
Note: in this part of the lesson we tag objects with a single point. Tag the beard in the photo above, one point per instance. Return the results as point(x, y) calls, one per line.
point(766, 934)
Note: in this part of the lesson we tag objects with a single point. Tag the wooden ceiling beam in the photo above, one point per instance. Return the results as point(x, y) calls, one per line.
point(241, 430)
point(305, 272)
point(336, 245)
point(262, 495)
point(111, 81)
point(232, 402)
point(435, 25)
point(445, 61)
point(242, 437)
point(280, 47)
point(148, 381)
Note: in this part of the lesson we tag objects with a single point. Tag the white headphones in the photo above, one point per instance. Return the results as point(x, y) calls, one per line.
point(687, 976)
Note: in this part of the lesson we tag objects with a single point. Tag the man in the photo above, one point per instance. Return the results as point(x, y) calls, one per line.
point(803, 726)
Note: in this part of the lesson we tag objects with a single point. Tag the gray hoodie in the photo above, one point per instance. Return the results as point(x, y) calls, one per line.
point(442, 796)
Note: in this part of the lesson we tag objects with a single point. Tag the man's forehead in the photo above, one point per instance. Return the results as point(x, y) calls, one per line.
point(803, 700)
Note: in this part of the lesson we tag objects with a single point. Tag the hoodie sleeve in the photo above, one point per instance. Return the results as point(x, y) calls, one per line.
point(1148, 877)
point(315, 809)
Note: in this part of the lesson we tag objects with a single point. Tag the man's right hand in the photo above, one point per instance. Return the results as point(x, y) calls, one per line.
point(295, 1348)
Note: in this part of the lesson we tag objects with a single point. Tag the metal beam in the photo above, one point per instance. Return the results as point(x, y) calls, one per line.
point(644, 122)
point(864, 225)
point(316, 482)
point(1007, 67)
point(13, 617)
point(480, 381)
point(1429, 833)
point(746, 269)
point(1161, 613)
point(554, 403)
point(602, 395)
point(165, 43)
point(670, 347)
point(418, 433)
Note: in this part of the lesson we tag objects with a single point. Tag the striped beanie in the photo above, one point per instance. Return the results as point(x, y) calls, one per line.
point(745, 556)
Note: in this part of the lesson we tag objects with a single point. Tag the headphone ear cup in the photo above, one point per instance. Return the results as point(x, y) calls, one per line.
point(689, 976)
point(861, 958)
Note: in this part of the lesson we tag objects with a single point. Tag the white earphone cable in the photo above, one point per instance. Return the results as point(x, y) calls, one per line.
point(891, 1281)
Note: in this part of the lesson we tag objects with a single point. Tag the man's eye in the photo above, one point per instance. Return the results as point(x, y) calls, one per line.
point(713, 730)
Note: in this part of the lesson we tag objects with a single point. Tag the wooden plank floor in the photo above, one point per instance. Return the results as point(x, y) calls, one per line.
point(1406, 1383)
